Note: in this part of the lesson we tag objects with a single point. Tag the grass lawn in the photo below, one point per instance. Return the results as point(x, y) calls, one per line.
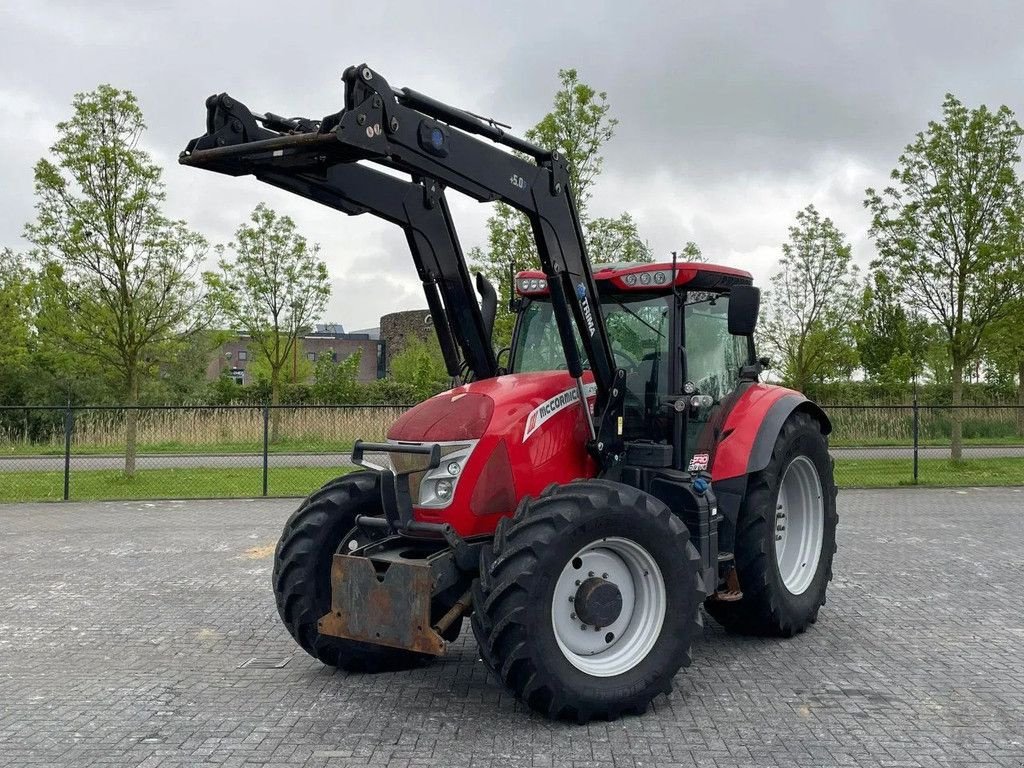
point(198, 483)
point(870, 442)
point(89, 485)
point(891, 473)
point(284, 445)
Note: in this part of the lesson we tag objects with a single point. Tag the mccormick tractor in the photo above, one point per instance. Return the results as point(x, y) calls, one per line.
point(579, 500)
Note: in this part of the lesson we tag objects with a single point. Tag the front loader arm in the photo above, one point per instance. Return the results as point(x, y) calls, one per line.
point(420, 209)
point(431, 141)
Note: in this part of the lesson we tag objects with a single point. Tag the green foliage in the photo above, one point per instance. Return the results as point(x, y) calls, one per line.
point(948, 228)
point(811, 304)
point(15, 319)
point(127, 296)
point(337, 382)
point(420, 367)
point(296, 369)
point(274, 288)
point(692, 253)
point(891, 344)
point(615, 239)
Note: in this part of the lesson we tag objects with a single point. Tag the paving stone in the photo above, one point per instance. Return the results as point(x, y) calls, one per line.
point(123, 627)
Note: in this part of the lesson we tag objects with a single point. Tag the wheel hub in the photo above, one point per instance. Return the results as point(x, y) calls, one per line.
point(598, 602)
point(799, 525)
point(608, 606)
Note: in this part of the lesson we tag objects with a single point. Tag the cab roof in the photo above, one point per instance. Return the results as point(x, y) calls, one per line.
point(655, 277)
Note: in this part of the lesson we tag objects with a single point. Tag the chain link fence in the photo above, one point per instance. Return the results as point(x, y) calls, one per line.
point(81, 453)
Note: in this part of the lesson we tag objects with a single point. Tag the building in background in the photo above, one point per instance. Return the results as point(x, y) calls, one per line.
point(398, 328)
point(235, 355)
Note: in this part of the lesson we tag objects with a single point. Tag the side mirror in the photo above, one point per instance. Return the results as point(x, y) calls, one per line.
point(744, 303)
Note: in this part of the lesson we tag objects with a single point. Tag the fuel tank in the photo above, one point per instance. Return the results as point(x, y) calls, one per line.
point(503, 438)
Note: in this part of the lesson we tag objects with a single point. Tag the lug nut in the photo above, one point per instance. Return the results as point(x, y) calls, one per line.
point(572, 616)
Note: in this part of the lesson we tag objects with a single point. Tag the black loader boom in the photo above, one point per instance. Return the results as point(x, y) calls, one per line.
point(431, 141)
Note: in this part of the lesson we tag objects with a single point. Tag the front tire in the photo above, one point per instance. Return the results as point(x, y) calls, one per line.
point(591, 657)
point(785, 538)
point(302, 573)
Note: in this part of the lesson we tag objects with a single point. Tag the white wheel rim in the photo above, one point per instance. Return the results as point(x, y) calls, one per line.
point(620, 646)
point(799, 525)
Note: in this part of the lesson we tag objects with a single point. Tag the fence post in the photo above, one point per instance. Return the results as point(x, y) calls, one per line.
point(266, 444)
point(69, 425)
point(917, 426)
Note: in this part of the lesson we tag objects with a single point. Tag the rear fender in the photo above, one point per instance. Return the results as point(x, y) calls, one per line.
point(749, 434)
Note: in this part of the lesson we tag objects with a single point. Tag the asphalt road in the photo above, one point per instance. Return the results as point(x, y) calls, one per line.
point(168, 461)
point(125, 629)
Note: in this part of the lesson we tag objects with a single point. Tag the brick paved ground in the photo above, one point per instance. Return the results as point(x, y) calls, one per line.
point(123, 625)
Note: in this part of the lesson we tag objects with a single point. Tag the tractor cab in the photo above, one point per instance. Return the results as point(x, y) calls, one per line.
point(650, 310)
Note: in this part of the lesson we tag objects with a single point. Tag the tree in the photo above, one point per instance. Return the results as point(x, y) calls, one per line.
point(948, 229)
point(891, 343)
point(337, 382)
point(1003, 348)
point(420, 367)
point(15, 312)
point(811, 304)
point(578, 126)
point(130, 298)
point(274, 289)
point(692, 253)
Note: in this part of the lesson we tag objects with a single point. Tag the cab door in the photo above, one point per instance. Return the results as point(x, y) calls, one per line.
point(714, 358)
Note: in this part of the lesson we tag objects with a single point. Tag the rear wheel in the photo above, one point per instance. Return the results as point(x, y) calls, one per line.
point(588, 602)
point(786, 537)
point(302, 573)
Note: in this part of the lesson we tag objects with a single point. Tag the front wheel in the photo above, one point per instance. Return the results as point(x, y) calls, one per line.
point(302, 573)
point(588, 603)
point(785, 537)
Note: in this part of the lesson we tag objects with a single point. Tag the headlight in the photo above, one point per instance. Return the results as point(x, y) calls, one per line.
point(437, 489)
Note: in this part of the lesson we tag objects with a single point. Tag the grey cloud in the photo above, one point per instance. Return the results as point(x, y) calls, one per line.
point(733, 115)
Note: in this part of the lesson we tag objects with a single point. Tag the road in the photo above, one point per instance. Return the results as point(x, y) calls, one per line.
point(125, 628)
point(183, 461)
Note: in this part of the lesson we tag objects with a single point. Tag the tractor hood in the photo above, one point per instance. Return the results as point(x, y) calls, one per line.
point(528, 430)
point(466, 411)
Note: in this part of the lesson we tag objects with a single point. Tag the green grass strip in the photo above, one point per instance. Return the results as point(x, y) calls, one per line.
point(185, 483)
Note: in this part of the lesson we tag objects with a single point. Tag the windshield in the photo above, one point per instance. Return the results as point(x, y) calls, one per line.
point(637, 329)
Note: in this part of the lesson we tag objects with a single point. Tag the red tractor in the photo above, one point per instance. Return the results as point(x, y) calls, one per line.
point(580, 501)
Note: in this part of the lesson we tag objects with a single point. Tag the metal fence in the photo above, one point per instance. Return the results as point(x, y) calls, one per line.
point(79, 453)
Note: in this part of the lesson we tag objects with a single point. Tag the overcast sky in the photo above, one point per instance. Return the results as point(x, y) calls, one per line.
point(734, 115)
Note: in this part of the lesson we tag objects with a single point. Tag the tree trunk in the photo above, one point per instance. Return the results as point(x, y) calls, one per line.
point(1020, 397)
point(275, 399)
point(956, 416)
point(131, 424)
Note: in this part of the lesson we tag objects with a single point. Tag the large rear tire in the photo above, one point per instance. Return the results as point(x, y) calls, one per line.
point(302, 573)
point(785, 538)
point(588, 602)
